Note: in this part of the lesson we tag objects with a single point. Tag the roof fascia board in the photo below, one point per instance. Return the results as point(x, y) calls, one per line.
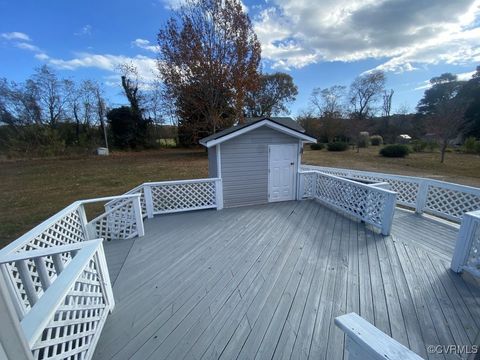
point(266, 122)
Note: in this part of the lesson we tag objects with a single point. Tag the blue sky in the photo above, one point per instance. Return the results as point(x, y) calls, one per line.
point(319, 43)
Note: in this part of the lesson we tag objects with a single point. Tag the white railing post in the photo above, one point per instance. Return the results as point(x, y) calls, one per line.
point(219, 193)
point(422, 195)
point(466, 235)
point(388, 213)
point(12, 340)
point(147, 191)
point(105, 277)
point(301, 185)
point(137, 209)
point(89, 232)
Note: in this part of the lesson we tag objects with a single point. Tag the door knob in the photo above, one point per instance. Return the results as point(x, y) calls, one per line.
point(292, 163)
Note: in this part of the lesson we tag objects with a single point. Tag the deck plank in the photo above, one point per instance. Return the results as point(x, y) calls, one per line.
point(267, 281)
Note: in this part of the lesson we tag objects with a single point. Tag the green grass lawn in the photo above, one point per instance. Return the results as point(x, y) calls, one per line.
point(33, 190)
point(458, 167)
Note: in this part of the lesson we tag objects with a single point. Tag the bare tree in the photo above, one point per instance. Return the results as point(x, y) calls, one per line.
point(130, 85)
point(364, 93)
point(387, 102)
point(101, 109)
point(329, 101)
point(208, 61)
point(49, 91)
point(18, 104)
point(446, 122)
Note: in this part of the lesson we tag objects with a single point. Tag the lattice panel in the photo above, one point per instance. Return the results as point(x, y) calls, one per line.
point(367, 204)
point(138, 190)
point(72, 328)
point(117, 223)
point(33, 273)
point(66, 230)
point(450, 202)
point(473, 260)
point(406, 190)
point(185, 196)
point(308, 185)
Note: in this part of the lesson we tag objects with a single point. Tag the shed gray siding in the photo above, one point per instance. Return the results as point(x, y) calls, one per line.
point(244, 164)
point(212, 162)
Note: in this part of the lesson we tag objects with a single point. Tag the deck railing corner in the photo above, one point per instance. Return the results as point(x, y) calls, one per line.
point(467, 249)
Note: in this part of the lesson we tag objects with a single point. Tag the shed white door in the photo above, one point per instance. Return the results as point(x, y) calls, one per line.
point(281, 175)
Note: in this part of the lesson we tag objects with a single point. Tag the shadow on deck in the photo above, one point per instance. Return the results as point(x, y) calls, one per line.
point(267, 281)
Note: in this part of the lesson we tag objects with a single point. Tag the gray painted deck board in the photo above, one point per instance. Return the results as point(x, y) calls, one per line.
point(267, 281)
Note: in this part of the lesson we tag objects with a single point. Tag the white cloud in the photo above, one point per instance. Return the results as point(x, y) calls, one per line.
point(84, 31)
point(295, 33)
point(145, 45)
point(146, 66)
point(465, 76)
point(27, 46)
point(15, 36)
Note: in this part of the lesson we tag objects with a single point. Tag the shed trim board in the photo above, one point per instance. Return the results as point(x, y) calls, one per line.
point(219, 161)
point(292, 175)
point(266, 122)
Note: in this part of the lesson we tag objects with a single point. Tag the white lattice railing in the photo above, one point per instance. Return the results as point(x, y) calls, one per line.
point(64, 293)
point(35, 263)
point(467, 248)
point(371, 203)
point(123, 220)
point(443, 199)
point(166, 197)
point(175, 196)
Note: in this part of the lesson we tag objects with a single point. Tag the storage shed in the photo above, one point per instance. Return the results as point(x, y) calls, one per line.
point(258, 161)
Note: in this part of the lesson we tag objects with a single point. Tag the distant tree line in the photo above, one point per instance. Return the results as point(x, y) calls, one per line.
point(447, 114)
point(45, 114)
point(208, 78)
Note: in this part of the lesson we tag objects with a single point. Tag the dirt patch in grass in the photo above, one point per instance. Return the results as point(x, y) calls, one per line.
point(458, 167)
point(33, 190)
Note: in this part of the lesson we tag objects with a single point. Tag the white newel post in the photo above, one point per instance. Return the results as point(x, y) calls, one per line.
point(421, 196)
point(137, 209)
point(12, 340)
point(470, 222)
point(147, 191)
point(387, 220)
point(301, 185)
point(87, 228)
point(105, 276)
point(219, 193)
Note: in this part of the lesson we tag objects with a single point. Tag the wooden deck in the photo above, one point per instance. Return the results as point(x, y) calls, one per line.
point(267, 281)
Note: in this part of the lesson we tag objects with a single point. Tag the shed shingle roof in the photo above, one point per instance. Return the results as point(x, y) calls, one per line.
point(283, 121)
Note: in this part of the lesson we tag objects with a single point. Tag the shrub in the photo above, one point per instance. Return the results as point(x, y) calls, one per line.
point(477, 147)
point(376, 140)
point(431, 145)
point(337, 146)
point(469, 145)
point(395, 150)
point(318, 146)
point(363, 142)
point(419, 145)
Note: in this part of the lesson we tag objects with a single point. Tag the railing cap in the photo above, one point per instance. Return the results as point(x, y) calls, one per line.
point(373, 341)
